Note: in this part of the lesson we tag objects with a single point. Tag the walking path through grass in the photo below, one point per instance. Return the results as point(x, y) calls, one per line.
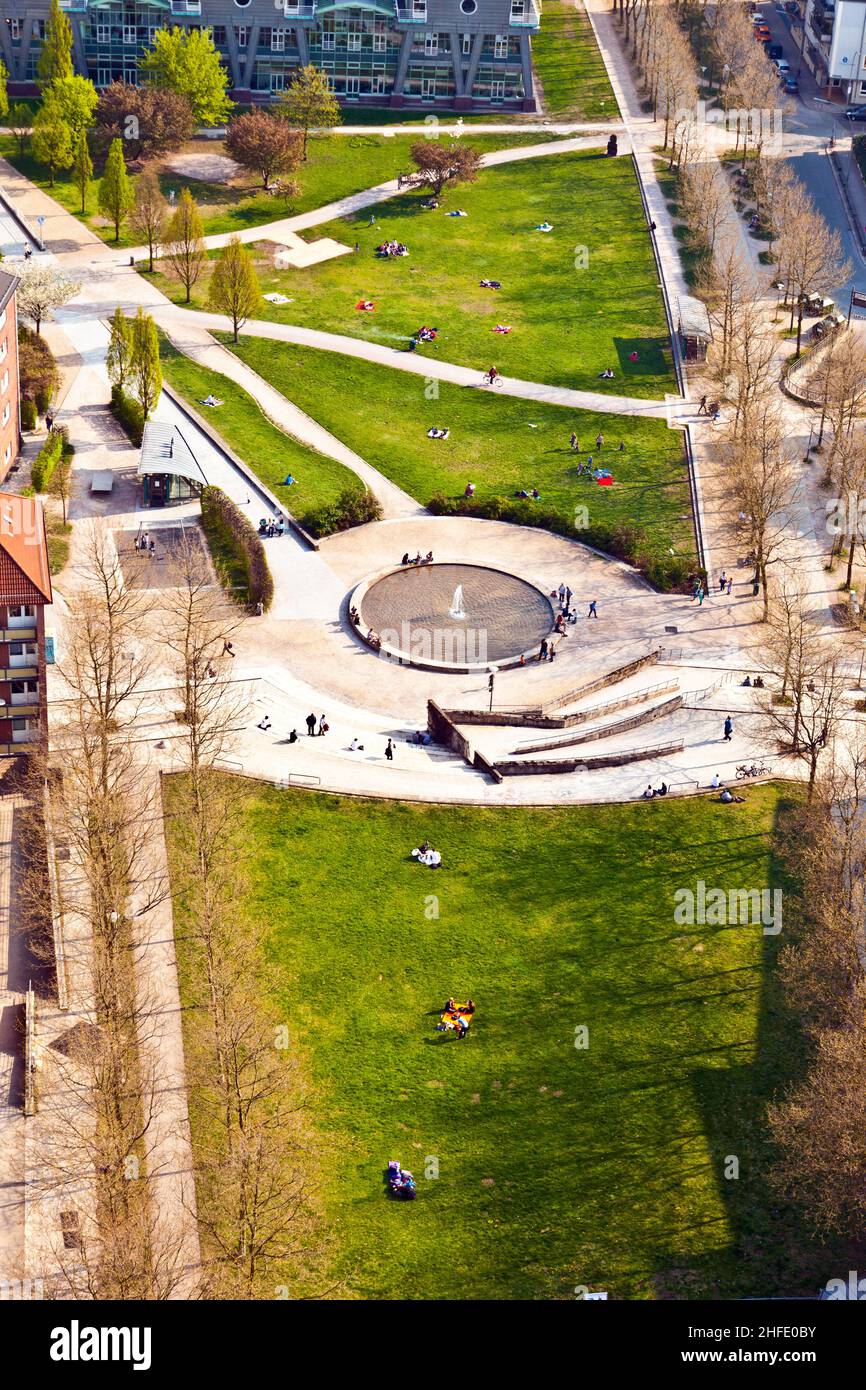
point(577, 300)
point(270, 433)
point(499, 443)
point(542, 1164)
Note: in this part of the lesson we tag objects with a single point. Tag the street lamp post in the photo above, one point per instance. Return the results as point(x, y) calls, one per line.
point(490, 681)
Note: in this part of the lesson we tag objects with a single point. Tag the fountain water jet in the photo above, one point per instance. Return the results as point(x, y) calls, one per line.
point(456, 609)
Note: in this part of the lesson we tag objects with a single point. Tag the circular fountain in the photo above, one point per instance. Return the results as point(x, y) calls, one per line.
point(452, 617)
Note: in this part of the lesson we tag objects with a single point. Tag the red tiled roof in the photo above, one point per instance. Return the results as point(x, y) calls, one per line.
point(24, 573)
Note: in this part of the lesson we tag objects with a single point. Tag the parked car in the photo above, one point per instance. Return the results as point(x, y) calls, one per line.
point(792, 8)
point(817, 305)
point(775, 50)
point(790, 84)
point(855, 113)
point(762, 32)
point(757, 18)
point(782, 66)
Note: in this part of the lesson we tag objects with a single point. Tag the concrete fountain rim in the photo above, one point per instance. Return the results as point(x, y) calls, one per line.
point(403, 658)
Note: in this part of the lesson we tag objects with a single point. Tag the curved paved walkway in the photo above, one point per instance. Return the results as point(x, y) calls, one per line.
point(172, 316)
point(281, 227)
point(198, 344)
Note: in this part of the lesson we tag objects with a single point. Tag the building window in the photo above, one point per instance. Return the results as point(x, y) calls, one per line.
point(7, 453)
point(518, 9)
point(22, 610)
point(242, 32)
point(3, 350)
point(6, 413)
point(467, 43)
point(379, 87)
point(219, 35)
point(130, 77)
point(327, 40)
point(278, 81)
point(353, 86)
point(497, 90)
point(500, 47)
point(468, 6)
point(15, 28)
point(129, 34)
point(431, 44)
point(103, 77)
point(242, 4)
point(265, 36)
point(353, 42)
point(380, 43)
point(4, 383)
point(428, 86)
point(278, 40)
point(103, 33)
point(419, 9)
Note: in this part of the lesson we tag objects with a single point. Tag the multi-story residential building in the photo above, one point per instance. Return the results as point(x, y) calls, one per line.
point(834, 47)
point(10, 425)
point(25, 590)
point(453, 54)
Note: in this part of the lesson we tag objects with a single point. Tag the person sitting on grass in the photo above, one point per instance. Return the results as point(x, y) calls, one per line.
point(727, 797)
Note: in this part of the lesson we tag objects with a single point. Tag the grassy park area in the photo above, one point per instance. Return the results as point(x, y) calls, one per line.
point(337, 166)
point(542, 1165)
point(578, 300)
point(498, 442)
point(270, 452)
point(571, 70)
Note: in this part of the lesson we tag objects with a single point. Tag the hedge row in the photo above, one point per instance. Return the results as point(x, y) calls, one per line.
point(128, 414)
point(234, 540)
point(670, 573)
point(353, 507)
point(47, 460)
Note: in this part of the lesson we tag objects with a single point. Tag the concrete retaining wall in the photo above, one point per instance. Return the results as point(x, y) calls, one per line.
point(622, 726)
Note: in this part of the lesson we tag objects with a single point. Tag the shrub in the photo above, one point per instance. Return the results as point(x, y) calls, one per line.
point(235, 545)
point(628, 543)
point(46, 460)
point(353, 507)
point(37, 370)
point(128, 414)
point(28, 414)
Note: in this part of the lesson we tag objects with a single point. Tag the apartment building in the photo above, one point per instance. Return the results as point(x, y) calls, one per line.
point(450, 54)
point(10, 426)
point(834, 47)
point(25, 591)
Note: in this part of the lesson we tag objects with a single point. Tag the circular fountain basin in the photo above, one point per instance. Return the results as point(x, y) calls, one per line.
point(412, 612)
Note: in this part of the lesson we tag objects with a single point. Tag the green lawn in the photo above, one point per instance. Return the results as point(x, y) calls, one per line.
point(337, 166)
point(557, 1166)
point(569, 323)
point(567, 62)
point(270, 452)
point(498, 442)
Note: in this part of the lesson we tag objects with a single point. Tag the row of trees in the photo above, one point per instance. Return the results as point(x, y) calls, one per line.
point(99, 1111)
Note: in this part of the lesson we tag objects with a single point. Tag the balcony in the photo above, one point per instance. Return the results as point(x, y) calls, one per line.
point(298, 9)
point(411, 11)
point(525, 14)
point(186, 6)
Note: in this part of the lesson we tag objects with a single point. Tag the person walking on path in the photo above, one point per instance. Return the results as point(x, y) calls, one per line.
point(311, 725)
point(723, 579)
point(573, 442)
point(593, 611)
point(702, 408)
point(729, 729)
point(389, 751)
point(730, 583)
point(599, 441)
point(323, 726)
point(561, 595)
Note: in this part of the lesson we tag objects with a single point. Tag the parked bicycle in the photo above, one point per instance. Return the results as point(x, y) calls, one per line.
point(752, 770)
